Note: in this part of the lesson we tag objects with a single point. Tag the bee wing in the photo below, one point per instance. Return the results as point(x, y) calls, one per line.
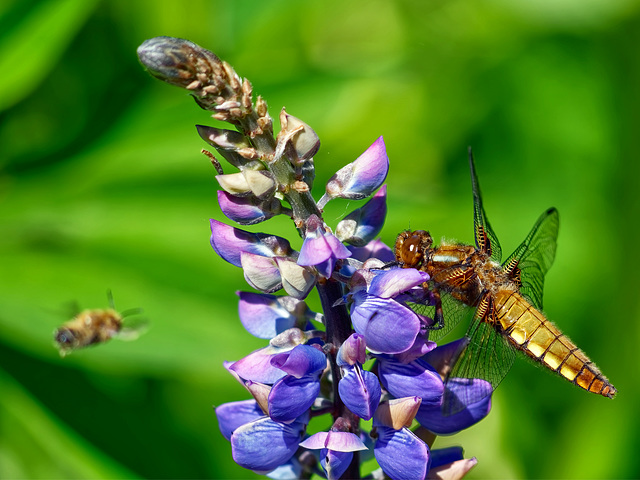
point(133, 327)
point(481, 363)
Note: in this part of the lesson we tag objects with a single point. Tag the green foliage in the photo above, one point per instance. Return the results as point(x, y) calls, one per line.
point(102, 187)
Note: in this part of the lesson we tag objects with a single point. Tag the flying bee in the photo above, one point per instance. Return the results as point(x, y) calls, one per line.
point(92, 327)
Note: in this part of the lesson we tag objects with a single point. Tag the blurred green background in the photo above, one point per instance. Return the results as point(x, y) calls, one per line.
point(102, 186)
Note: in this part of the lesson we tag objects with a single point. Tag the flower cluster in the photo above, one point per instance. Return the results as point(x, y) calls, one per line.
point(367, 356)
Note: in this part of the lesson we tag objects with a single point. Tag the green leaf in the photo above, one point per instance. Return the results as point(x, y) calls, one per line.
point(30, 49)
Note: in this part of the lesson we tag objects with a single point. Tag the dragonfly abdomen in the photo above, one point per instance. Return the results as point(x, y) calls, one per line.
point(530, 331)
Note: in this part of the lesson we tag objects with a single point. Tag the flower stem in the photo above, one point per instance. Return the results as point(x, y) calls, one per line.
point(338, 328)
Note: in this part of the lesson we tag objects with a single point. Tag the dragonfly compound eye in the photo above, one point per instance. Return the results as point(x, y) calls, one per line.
point(411, 247)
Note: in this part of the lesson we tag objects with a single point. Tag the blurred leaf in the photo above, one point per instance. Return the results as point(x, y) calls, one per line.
point(34, 444)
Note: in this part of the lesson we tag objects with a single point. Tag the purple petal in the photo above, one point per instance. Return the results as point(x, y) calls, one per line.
point(235, 414)
point(290, 397)
point(335, 463)
point(374, 249)
point(265, 316)
point(261, 272)
point(337, 441)
point(360, 391)
point(420, 348)
point(387, 326)
point(401, 454)
point(363, 224)
point(417, 379)
point(321, 248)
point(257, 367)
point(292, 470)
point(302, 360)
point(263, 445)
point(431, 417)
point(229, 242)
point(362, 177)
point(246, 210)
point(390, 283)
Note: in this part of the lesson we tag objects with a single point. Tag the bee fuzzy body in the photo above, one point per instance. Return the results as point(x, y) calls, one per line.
point(89, 327)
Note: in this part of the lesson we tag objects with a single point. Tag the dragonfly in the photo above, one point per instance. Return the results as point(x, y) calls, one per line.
point(505, 299)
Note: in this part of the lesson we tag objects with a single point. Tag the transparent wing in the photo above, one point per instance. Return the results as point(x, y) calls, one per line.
point(133, 325)
point(453, 312)
point(486, 239)
point(487, 356)
point(529, 263)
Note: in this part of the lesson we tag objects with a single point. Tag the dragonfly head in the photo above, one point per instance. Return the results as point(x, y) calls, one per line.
point(412, 248)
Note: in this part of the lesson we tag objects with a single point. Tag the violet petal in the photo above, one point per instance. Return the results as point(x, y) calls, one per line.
point(360, 391)
point(302, 360)
point(263, 444)
point(290, 397)
point(390, 283)
point(401, 454)
point(431, 417)
point(363, 176)
point(229, 242)
point(417, 379)
point(235, 414)
point(387, 326)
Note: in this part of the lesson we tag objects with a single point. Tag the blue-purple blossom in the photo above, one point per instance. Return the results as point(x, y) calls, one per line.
point(360, 178)
point(376, 311)
point(235, 414)
point(336, 450)
point(296, 392)
point(363, 224)
point(321, 248)
point(247, 210)
point(401, 454)
point(229, 242)
point(258, 366)
point(266, 316)
point(294, 377)
point(359, 389)
point(264, 444)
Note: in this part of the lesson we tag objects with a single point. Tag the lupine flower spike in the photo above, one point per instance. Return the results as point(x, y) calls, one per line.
point(367, 355)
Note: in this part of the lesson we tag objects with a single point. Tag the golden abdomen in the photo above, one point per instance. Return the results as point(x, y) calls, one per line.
point(529, 330)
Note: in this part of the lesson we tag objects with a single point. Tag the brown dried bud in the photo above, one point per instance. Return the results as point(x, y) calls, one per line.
point(178, 61)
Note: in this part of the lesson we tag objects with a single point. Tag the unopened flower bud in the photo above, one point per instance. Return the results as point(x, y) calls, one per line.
point(398, 413)
point(297, 280)
point(261, 272)
point(234, 183)
point(261, 183)
point(232, 145)
point(352, 351)
point(306, 141)
point(177, 61)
